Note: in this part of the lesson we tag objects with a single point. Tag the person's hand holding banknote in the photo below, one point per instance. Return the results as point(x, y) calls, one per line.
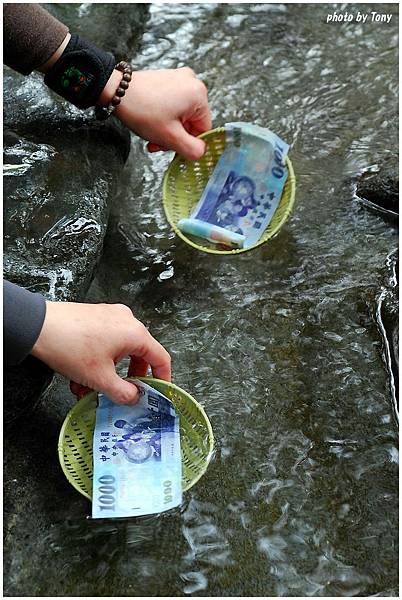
point(84, 341)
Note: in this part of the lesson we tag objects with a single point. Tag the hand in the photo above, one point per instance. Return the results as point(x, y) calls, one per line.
point(84, 341)
point(168, 108)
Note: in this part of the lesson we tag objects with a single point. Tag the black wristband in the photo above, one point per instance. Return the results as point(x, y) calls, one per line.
point(81, 72)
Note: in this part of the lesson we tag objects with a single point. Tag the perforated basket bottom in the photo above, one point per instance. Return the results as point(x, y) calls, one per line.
point(185, 181)
point(76, 437)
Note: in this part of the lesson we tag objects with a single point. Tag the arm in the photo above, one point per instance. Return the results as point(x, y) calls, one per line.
point(31, 36)
point(169, 108)
point(81, 341)
point(23, 314)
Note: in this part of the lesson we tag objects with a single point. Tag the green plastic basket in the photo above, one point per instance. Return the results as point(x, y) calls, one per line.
point(185, 180)
point(76, 436)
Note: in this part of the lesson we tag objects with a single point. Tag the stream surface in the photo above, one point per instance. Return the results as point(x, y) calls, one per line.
point(279, 345)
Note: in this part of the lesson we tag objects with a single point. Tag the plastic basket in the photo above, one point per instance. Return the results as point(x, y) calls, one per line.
point(76, 436)
point(185, 180)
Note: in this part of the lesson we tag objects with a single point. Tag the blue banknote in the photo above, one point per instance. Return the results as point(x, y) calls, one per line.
point(137, 461)
point(246, 185)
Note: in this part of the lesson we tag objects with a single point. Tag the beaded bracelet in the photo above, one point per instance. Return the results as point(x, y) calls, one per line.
point(104, 112)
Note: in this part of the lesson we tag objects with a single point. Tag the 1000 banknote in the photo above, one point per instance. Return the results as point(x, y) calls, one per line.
point(246, 185)
point(137, 460)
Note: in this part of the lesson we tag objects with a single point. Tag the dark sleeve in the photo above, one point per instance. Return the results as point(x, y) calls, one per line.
point(31, 36)
point(23, 316)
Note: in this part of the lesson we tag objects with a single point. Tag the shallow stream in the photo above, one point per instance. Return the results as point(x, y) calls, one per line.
point(280, 345)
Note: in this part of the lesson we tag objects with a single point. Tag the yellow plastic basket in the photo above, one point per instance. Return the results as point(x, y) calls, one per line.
point(76, 437)
point(185, 180)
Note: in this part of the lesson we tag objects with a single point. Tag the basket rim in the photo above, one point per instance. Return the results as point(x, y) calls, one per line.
point(149, 380)
point(291, 180)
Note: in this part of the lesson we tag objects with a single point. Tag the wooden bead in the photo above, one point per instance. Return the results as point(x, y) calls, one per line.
point(126, 69)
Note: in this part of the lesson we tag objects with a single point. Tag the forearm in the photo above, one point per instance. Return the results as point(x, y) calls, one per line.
point(44, 68)
point(31, 36)
point(35, 40)
point(23, 315)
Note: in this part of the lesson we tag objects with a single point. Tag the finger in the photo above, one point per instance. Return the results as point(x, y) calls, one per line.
point(151, 147)
point(153, 353)
point(201, 122)
point(119, 390)
point(79, 390)
point(138, 367)
point(194, 130)
point(188, 70)
point(184, 143)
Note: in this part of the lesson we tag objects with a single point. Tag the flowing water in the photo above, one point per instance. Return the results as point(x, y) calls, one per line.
point(279, 345)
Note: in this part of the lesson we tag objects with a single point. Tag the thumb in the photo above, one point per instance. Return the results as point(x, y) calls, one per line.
point(120, 391)
point(184, 143)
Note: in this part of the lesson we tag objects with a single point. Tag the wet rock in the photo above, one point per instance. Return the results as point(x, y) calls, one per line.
point(62, 169)
point(387, 317)
point(56, 193)
point(116, 28)
point(379, 189)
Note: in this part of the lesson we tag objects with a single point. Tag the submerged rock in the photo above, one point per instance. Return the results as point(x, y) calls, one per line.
point(23, 386)
point(379, 189)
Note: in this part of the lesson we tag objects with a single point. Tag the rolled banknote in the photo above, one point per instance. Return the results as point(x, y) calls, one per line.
point(137, 460)
point(246, 185)
point(212, 233)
